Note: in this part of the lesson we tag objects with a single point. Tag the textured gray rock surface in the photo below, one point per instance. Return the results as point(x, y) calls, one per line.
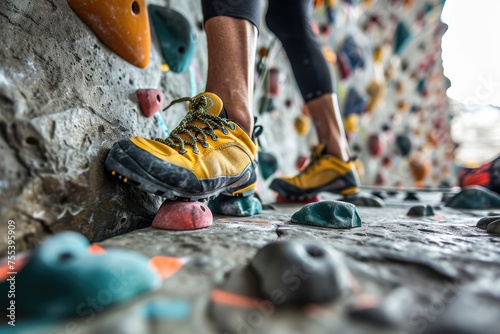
point(426, 273)
point(65, 98)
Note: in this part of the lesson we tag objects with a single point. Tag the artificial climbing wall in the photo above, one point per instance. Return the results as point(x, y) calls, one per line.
point(68, 92)
point(386, 58)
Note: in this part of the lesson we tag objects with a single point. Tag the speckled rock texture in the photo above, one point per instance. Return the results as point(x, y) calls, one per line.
point(410, 274)
point(65, 98)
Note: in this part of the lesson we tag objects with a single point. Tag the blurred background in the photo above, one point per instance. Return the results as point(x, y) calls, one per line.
point(417, 84)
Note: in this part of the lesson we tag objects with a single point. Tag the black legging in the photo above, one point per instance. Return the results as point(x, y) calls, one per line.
point(290, 21)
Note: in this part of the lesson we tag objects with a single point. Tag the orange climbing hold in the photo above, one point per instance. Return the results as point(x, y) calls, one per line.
point(419, 169)
point(123, 25)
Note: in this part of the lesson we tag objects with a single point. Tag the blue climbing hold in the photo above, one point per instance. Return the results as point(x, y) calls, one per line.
point(176, 36)
point(352, 50)
point(355, 103)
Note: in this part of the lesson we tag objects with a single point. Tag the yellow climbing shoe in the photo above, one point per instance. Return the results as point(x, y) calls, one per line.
point(204, 156)
point(324, 173)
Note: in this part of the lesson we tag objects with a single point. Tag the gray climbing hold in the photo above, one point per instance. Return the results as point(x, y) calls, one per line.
point(299, 272)
point(421, 211)
point(494, 227)
point(484, 222)
point(475, 197)
point(332, 214)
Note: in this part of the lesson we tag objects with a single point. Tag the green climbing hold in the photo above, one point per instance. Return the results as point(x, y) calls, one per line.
point(331, 214)
point(235, 206)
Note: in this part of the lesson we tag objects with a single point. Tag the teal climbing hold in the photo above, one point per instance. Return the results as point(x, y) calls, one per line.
point(238, 206)
point(176, 36)
point(332, 214)
point(475, 197)
point(401, 37)
point(268, 164)
point(421, 86)
point(61, 277)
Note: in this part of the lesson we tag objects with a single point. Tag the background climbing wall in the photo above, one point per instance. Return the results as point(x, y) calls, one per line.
point(386, 58)
point(66, 97)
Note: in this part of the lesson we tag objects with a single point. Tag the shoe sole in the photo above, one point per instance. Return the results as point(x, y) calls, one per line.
point(152, 185)
point(309, 193)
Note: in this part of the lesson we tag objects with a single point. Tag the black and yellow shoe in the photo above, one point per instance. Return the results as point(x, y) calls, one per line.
point(204, 156)
point(324, 173)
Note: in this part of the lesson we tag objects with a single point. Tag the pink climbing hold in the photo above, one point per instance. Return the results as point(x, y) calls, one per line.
point(150, 101)
point(182, 216)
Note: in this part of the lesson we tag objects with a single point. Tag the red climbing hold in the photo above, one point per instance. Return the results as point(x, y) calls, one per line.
point(375, 145)
point(150, 101)
point(181, 216)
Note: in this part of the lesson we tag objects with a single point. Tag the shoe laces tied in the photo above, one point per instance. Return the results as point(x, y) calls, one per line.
point(197, 113)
